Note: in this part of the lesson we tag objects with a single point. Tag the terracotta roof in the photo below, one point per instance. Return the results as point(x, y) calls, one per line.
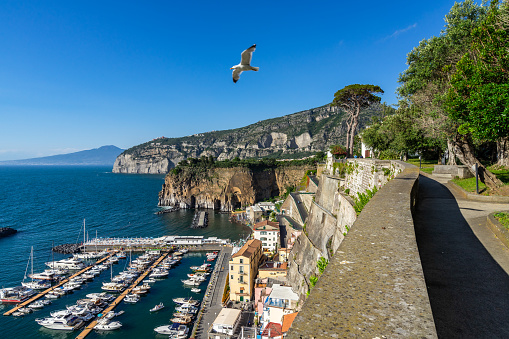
point(266, 225)
point(248, 249)
point(288, 321)
point(272, 330)
point(274, 266)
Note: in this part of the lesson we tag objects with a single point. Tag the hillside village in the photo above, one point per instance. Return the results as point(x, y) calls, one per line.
point(259, 285)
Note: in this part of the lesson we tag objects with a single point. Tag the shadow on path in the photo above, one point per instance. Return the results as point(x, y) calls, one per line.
point(468, 290)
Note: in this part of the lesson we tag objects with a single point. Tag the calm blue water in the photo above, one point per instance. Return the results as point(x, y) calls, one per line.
point(48, 204)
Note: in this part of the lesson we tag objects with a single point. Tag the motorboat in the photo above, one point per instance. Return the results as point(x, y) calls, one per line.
point(121, 255)
point(113, 287)
point(105, 324)
point(189, 301)
point(43, 276)
point(66, 323)
point(132, 298)
point(171, 329)
point(37, 284)
point(187, 308)
point(15, 294)
point(149, 281)
point(159, 273)
point(38, 304)
point(70, 264)
point(22, 312)
point(182, 320)
point(196, 290)
point(191, 282)
point(103, 296)
point(51, 295)
point(156, 308)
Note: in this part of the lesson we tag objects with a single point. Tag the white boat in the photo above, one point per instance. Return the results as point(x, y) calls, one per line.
point(66, 323)
point(51, 295)
point(149, 281)
point(34, 284)
point(104, 324)
point(69, 264)
point(132, 298)
point(42, 276)
point(37, 304)
point(15, 294)
point(113, 287)
point(157, 307)
point(189, 301)
point(196, 290)
point(186, 308)
point(191, 282)
point(159, 272)
point(172, 329)
point(102, 296)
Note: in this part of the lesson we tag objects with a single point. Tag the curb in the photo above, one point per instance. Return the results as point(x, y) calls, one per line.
point(496, 227)
point(474, 197)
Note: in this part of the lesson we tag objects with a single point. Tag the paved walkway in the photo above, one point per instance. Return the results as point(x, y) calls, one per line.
point(466, 267)
point(213, 304)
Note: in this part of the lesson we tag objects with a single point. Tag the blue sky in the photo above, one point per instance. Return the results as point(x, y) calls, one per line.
point(77, 75)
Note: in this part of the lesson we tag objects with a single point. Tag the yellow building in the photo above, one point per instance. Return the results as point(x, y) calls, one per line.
point(275, 270)
point(243, 268)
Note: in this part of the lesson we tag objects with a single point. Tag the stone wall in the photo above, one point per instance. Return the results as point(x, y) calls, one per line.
point(364, 174)
point(374, 285)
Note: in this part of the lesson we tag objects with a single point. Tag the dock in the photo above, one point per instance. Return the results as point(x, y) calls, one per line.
point(43, 293)
point(117, 301)
point(200, 220)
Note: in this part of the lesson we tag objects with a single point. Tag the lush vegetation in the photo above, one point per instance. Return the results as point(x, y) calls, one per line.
point(362, 199)
point(205, 163)
point(454, 94)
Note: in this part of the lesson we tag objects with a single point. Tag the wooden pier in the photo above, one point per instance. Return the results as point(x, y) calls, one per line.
point(117, 301)
point(37, 296)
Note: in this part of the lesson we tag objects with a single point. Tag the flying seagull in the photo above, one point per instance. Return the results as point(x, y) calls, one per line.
point(245, 63)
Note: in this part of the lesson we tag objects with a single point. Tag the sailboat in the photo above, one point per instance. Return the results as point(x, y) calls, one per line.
point(34, 284)
point(88, 255)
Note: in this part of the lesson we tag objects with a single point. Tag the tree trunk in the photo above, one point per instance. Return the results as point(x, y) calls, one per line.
point(503, 152)
point(465, 153)
point(355, 122)
point(450, 150)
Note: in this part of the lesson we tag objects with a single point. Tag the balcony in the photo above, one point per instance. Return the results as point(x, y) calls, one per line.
point(243, 282)
point(242, 273)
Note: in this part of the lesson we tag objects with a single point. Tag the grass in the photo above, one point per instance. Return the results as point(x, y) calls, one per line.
point(503, 218)
point(427, 166)
point(469, 184)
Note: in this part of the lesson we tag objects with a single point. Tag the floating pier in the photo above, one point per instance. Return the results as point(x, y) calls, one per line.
point(200, 220)
point(43, 293)
point(117, 301)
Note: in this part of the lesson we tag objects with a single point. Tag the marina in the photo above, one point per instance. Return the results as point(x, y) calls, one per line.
point(57, 218)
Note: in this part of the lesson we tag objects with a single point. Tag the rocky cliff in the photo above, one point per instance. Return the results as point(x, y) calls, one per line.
point(226, 189)
point(291, 136)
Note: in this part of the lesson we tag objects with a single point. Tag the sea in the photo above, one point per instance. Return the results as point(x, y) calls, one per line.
point(48, 206)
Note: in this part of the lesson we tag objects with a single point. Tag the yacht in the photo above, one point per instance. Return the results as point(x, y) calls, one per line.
point(15, 294)
point(70, 264)
point(159, 273)
point(66, 323)
point(104, 324)
point(113, 287)
point(171, 329)
point(189, 301)
point(132, 298)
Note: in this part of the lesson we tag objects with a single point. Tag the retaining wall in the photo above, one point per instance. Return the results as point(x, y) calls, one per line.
point(374, 285)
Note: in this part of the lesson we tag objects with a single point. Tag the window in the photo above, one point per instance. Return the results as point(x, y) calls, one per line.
point(232, 277)
point(263, 233)
point(241, 261)
point(241, 269)
point(231, 268)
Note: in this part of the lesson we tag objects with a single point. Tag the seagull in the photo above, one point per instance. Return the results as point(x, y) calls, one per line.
point(245, 63)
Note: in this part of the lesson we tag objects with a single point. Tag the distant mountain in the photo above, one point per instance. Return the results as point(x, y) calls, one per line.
point(102, 156)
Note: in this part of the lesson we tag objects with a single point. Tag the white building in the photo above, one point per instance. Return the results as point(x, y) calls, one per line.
point(281, 301)
point(225, 323)
point(268, 233)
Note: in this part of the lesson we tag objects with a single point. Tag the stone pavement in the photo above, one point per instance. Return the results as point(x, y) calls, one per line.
point(213, 303)
point(465, 266)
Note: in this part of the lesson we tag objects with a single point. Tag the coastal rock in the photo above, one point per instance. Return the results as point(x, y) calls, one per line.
point(6, 231)
point(226, 189)
point(292, 136)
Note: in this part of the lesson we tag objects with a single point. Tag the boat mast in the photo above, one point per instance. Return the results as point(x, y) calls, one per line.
point(96, 241)
point(32, 256)
point(84, 235)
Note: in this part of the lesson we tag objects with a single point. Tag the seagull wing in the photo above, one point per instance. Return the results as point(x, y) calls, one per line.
point(236, 75)
point(247, 55)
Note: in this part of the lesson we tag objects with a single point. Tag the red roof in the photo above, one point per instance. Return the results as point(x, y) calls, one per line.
point(272, 330)
point(288, 321)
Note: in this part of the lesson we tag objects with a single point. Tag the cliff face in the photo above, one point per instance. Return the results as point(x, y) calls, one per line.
point(226, 189)
point(295, 135)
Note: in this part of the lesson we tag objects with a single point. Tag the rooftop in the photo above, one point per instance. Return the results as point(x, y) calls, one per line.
point(227, 316)
point(272, 330)
point(248, 249)
point(288, 320)
point(266, 225)
point(274, 266)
